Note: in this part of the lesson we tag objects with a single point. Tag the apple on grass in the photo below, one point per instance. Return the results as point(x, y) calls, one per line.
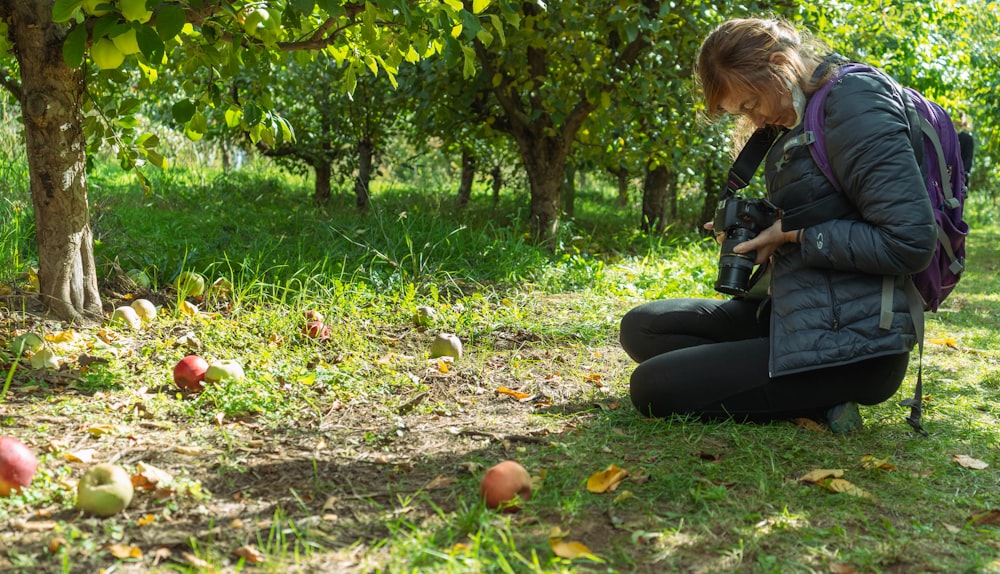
point(17, 465)
point(223, 370)
point(505, 486)
point(446, 345)
point(316, 330)
point(126, 316)
point(189, 373)
point(104, 490)
point(144, 308)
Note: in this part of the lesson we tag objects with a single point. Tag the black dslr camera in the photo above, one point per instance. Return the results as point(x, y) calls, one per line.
point(740, 219)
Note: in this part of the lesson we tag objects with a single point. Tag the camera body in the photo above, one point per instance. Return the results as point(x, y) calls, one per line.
point(740, 219)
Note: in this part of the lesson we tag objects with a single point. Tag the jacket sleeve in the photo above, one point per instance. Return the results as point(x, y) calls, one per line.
point(870, 152)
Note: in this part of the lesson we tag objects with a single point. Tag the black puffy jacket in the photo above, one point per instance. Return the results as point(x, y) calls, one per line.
point(827, 290)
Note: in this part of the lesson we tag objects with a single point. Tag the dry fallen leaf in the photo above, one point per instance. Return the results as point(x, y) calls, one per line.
point(820, 474)
point(841, 485)
point(946, 341)
point(440, 481)
point(969, 462)
point(988, 517)
point(516, 394)
point(810, 424)
point(870, 462)
point(250, 554)
point(123, 551)
point(606, 480)
point(85, 455)
point(569, 550)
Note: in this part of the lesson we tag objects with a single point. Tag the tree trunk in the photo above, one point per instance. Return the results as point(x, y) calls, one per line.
point(622, 175)
point(654, 198)
point(468, 176)
point(568, 191)
point(321, 191)
point(497, 176)
point(366, 151)
point(544, 161)
point(51, 104)
point(713, 185)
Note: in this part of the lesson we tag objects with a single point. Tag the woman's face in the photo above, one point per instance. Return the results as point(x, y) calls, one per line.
point(772, 107)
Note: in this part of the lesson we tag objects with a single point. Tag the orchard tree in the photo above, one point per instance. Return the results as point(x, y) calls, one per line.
point(564, 61)
point(79, 68)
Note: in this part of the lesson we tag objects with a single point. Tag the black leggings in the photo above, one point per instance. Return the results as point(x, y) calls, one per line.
point(709, 358)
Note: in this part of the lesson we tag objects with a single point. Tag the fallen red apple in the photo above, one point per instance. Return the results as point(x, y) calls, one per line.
point(105, 489)
point(316, 330)
point(17, 465)
point(505, 486)
point(190, 372)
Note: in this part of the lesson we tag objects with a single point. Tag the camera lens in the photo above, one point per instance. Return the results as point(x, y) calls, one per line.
point(735, 268)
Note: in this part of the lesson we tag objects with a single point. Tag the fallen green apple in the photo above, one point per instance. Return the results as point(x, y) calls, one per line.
point(424, 316)
point(446, 345)
point(223, 370)
point(27, 342)
point(105, 489)
point(190, 283)
point(45, 359)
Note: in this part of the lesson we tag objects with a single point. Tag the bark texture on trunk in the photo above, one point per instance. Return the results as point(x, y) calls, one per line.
point(52, 96)
point(366, 153)
point(468, 177)
point(654, 199)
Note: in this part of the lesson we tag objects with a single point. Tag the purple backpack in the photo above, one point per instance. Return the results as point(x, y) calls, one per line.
point(944, 175)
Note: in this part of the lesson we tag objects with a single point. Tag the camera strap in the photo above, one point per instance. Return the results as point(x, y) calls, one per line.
point(750, 158)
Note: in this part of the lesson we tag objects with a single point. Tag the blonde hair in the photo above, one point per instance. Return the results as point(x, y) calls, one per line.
point(737, 56)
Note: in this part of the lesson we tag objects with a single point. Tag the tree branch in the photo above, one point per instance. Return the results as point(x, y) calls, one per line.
point(10, 83)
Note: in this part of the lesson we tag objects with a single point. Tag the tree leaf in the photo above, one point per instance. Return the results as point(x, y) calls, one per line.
point(63, 10)
point(170, 20)
point(74, 46)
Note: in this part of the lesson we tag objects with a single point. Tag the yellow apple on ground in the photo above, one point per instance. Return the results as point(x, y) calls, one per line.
point(45, 358)
point(17, 465)
point(446, 345)
point(224, 370)
point(106, 55)
point(104, 490)
point(144, 308)
point(126, 316)
point(505, 486)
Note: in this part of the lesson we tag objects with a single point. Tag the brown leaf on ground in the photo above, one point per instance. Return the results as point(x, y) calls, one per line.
point(810, 424)
point(991, 517)
point(969, 462)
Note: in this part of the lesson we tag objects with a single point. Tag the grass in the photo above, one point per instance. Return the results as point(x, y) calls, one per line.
point(358, 454)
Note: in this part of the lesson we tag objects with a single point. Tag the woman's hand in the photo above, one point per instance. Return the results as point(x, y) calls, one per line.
point(767, 242)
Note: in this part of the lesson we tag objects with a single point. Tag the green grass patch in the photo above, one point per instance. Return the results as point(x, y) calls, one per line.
point(359, 453)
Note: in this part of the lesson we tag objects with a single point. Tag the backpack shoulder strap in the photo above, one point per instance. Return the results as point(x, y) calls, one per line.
point(813, 120)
